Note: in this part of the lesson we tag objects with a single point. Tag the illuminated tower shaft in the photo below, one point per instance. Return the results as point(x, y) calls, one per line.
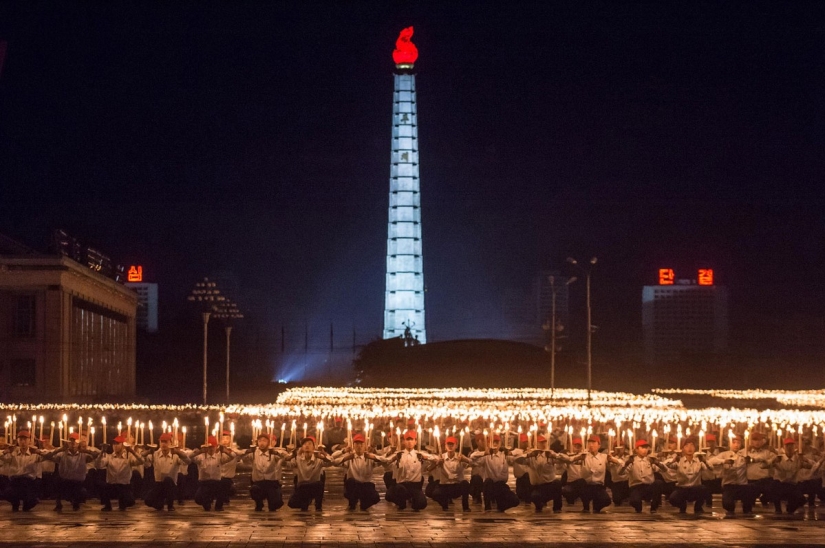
point(404, 298)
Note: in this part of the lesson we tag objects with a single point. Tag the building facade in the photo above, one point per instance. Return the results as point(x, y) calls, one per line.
point(68, 332)
point(684, 321)
point(404, 293)
point(147, 309)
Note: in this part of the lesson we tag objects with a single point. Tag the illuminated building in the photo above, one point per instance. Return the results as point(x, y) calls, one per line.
point(68, 332)
point(404, 295)
point(684, 319)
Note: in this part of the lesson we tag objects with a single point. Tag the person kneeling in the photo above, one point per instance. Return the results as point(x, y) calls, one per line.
point(308, 464)
point(360, 466)
point(689, 488)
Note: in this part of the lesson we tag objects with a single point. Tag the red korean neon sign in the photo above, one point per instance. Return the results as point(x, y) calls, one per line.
point(135, 274)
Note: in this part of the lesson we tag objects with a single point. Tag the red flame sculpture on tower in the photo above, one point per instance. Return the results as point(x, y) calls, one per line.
point(405, 53)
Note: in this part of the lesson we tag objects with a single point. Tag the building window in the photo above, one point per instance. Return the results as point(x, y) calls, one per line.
point(22, 372)
point(24, 316)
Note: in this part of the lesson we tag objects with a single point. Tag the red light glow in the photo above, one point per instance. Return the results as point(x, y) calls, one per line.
point(135, 274)
point(666, 276)
point(705, 276)
point(405, 53)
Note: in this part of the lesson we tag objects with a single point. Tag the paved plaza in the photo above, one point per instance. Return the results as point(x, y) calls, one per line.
point(383, 525)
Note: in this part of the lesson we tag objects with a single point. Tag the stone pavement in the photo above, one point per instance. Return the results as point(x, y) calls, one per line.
point(383, 525)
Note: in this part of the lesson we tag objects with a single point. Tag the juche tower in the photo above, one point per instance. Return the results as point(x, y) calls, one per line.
point(404, 296)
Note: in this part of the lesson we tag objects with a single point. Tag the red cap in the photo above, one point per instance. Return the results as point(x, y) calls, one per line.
point(577, 441)
point(166, 437)
point(338, 419)
point(673, 439)
point(789, 441)
point(410, 421)
point(541, 438)
point(262, 435)
point(595, 438)
point(479, 436)
point(451, 439)
point(690, 440)
point(24, 434)
point(642, 443)
point(73, 436)
point(213, 441)
point(410, 435)
point(710, 437)
point(358, 437)
point(226, 433)
point(496, 437)
point(119, 439)
point(523, 437)
point(757, 436)
point(309, 438)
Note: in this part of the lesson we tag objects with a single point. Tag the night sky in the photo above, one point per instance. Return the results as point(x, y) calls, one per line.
point(255, 138)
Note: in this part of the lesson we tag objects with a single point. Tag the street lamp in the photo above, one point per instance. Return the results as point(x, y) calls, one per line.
point(207, 294)
point(553, 330)
point(227, 310)
point(586, 271)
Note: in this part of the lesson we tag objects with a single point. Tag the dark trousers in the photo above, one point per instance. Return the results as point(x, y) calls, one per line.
point(682, 495)
point(227, 490)
point(122, 492)
point(363, 492)
point(810, 488)
point(501, 493)
point(544, 492)
point(389, 481)
point(445, 492)
point(305, 493)
point(48, 486)
point(210, 491)
point(762, 489)
point(137, 485)
point(597, 494)
point(714, 487)
point(790, 492)
point(71, 491)
point(163, 492)
point(651, 492)
point(476, 487)
point(402, 492)
point(269, 491)
point(523, 487)
point(21, 489)
point(620, 490)
point(573, 490)
point(731, 493)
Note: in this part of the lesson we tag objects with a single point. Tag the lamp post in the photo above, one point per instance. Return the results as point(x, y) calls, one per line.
point(586, 272)
point(207, 294)
point(227, 310)
point(553, 329)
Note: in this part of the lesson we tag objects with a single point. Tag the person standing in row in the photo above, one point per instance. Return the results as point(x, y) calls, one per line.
point(209, 460)
point(72, 469)
point(409, 475)
point(359, 465)
point(166, 461)
point(451, 482)
point(308, 464)
point(495, 465)
point(734, 478)
point(644, 485)
point(118, 466)
point(22, 465)
point(266, 474)
point(689, 486)
point(545, 485)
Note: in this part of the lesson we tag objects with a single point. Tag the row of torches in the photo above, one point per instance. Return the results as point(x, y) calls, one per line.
point(620, 417)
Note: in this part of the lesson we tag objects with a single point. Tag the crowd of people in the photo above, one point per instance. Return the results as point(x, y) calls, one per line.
point(547, 470)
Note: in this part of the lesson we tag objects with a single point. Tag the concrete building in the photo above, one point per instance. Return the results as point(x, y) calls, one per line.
point(147, 310)
point(684, 320)
point(68, 333)
point(404, 294)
